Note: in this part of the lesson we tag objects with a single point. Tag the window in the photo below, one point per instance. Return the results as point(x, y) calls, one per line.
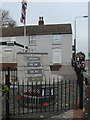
point(7, 49)
point(13, 39)
point(56, 39)
point(32, 40)
point(56, 55)
point(32, 50)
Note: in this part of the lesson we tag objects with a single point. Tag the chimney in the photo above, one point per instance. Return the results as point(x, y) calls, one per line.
point(41, 22)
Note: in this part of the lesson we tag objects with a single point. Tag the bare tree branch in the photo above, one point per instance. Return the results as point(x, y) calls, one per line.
point(6, 20)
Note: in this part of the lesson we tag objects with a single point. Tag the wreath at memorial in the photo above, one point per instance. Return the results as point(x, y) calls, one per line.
point(4, 89)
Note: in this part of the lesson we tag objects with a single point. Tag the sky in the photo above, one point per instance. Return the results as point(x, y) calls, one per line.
point(45, 0)
point(55, 13)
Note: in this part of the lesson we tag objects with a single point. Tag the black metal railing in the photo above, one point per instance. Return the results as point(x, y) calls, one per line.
point(46, 96)
point(79, 73)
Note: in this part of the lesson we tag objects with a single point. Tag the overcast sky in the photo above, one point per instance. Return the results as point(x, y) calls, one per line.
point(55, 13)
point(46, 0)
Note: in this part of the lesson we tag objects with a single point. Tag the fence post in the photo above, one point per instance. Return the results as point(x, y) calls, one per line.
point(7, 94)
point(81, 90)
point(75, 66)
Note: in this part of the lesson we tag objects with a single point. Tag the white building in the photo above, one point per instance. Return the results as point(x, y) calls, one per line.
point(89, 30)
point(54, 39)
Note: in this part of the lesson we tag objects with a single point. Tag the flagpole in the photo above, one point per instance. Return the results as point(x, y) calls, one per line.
point(24, 35)
point(23, 19)
point(24, 30)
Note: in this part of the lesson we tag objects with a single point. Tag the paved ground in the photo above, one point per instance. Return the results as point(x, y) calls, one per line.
point(86, 113)
point(68, 73)
point(89, 97)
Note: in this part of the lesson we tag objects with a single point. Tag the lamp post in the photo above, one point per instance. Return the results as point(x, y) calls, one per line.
point(75, 33)
point(79, 74)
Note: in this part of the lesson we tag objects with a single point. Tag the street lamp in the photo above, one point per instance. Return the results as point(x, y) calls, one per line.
point(75, 34)
point(79, 75)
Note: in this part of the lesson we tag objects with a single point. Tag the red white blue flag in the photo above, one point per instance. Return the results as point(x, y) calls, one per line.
point(23, 11)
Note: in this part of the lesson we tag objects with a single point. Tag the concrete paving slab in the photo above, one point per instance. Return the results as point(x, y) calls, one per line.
point(66, 115)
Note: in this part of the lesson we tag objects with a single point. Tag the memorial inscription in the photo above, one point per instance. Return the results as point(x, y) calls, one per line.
point(34, 71)
point(33, 64)
point(33, 58)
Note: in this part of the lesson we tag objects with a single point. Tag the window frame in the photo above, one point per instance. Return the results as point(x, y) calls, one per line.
point(13, 39)
point(57, 39)
point(32, 40)
point(7, 49)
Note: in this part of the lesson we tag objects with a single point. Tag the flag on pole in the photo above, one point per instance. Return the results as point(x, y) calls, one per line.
point(23, 11)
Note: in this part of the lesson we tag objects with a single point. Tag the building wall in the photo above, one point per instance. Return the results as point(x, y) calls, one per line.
point(47, 46)
point(8, 53)
point(43, 69)
point(44, 44)
point(66, 48)
point(89, 29)
point(0, 72)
